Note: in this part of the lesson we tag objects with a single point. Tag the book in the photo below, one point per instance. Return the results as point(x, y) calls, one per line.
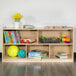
point(9, 37)
point(62, 53)
point(34, 55)
point(13, 36)
point(5, 37)
point(18, 37)
point(44, 55)
point(62, 57)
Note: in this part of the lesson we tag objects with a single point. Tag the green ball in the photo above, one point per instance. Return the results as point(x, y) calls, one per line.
point(12, 51)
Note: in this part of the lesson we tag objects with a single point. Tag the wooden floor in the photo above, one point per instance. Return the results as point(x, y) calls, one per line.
point(38, 69)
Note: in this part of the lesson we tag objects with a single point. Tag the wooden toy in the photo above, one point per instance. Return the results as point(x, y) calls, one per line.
point(68, 40)
point(22, 41)
point(64, 38)
point(43, 39)
point(55, 40)
point(50, 40)
point(28, 40)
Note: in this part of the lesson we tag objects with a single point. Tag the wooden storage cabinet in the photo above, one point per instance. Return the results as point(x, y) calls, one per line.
point(51, 48)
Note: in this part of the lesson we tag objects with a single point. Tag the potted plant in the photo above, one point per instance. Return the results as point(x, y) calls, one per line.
point(17, 17)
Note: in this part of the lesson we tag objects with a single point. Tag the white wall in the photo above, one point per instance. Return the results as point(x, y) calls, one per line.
point(38, 12)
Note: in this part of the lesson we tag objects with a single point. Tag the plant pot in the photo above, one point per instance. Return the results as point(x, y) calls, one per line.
point(16, 24)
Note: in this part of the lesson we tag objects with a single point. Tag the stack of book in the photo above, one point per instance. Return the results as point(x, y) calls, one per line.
point(37, 54)
point(62, 55)
point(11, 37)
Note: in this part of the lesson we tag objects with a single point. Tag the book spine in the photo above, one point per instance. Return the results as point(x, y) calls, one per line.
point(34, 57)
point(15, 36)
point(57, 57)
point(18, 37)
point(5, 37)
point(11, 37)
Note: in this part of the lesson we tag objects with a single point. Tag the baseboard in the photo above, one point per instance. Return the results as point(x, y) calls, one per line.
point(75, 55)
point(0, 55)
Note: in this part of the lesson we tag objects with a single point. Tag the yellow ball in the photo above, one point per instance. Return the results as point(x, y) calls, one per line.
point(12, 51)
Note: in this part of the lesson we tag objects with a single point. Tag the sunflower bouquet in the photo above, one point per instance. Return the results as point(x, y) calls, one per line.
point(17, 17)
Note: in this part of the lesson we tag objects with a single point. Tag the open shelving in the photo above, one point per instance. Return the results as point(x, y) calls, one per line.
point(51, 48)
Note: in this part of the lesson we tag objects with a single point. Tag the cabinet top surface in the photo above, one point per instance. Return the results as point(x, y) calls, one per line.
point(37, 29)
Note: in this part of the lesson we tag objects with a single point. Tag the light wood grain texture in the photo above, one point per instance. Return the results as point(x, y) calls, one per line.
point(51, 48)
point(36, 29)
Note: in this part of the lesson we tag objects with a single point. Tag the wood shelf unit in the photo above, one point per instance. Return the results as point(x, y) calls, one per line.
point(51, 48)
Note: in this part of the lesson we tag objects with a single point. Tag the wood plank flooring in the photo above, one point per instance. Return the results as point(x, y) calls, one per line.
point(38, 69)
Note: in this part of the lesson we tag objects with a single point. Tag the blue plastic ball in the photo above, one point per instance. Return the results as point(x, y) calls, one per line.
point(21, 53)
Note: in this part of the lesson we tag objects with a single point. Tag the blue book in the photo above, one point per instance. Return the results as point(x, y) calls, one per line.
point(35, 53)
point(6, 41)
point(34, 57)
point(7, 37)
point(13, 36)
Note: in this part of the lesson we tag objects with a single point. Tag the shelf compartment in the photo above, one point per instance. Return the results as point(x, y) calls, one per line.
point(44, 48)
point(52, 34)
point(5, 55)
point(28, 34)
point(59, 48)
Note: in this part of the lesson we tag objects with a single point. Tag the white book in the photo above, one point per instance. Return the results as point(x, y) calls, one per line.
point(62, 57)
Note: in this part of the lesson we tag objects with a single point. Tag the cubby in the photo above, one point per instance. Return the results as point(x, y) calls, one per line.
point(51, 48)
point(60, 48)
